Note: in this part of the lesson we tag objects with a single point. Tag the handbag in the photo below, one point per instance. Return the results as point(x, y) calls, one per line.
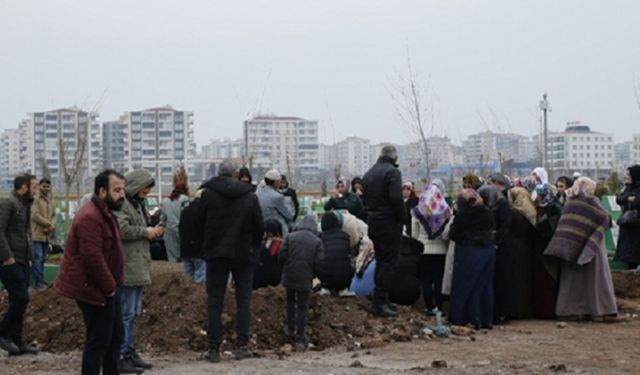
point(629, 218)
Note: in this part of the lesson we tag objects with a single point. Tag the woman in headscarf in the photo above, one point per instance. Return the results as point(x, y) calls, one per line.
point(471, 181)
point(523, 221)
point(585, 287)
point(342, 198)
point(171, 210)
point(471, 299)
point(503, 291)
point(628, 249)
point(545, 269)
point(540, 176)
point(562, 184)
point(428, 221)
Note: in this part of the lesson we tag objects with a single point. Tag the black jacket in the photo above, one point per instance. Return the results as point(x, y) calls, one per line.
point(289, 192)
point(503, 216)
point(382, 194)
point(628, 248)
point(301, 255)
point(473, 226)
point(336, 270)
point(15, 228)
point(190, 235)
point(231, 220)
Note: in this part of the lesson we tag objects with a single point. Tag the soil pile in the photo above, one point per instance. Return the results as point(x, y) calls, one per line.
point(626, 284)
point(174, 319)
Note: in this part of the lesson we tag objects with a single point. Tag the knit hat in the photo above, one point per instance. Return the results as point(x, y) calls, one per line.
point(272, 175)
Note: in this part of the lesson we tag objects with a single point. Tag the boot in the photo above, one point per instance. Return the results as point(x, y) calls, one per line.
point(8, 345)
point(138, 362)
point(243, 353)
point(382, 310)
point(128, 367)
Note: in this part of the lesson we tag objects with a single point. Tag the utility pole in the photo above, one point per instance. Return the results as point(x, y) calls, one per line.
point(544, 107)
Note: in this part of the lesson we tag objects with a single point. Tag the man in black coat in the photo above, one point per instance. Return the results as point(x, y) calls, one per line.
point(386, 215)
point(232, 231)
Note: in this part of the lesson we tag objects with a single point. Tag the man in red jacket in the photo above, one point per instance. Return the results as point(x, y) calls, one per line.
point(92, 271)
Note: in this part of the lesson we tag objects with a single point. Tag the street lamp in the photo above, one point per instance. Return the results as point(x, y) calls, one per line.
point(544, 107)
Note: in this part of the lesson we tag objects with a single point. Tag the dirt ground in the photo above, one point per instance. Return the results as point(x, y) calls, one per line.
point(346, 338)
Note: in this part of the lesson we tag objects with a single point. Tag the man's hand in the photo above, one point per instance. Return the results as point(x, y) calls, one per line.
point(631, 199)
point(9, 261)
point(151, 233)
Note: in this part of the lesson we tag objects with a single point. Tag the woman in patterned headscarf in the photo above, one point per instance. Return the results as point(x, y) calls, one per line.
point(471, 299)
point(428, 221)
point(585, 285)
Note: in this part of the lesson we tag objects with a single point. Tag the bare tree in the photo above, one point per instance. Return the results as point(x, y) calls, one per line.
point(46, 173)
point(72, 167)
point(414, 104)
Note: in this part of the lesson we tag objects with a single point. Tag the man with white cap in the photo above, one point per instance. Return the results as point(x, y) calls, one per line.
point(273, 203)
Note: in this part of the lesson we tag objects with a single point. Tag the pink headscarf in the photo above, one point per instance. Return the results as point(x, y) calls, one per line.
point(581, 185)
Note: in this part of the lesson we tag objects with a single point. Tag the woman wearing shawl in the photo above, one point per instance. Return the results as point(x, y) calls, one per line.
point(428, 220)
point(545, 269)
point(540, 176)
point(628, 249)
point(503, 289)
point(586, 288)
point(562, 184)
point(342, 198)
point(472, 229)
point(523, 221)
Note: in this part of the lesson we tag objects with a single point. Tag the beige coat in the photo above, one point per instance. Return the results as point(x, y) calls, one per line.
point(43, 216)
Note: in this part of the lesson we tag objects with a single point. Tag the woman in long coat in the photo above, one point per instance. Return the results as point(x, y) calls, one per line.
point(471, 300)
point(628, 249)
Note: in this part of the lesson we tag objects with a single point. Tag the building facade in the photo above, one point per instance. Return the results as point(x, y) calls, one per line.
point(289, 144)
point(10, 156)
point(222, 149)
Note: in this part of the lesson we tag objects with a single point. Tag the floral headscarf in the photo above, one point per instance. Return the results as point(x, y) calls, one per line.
point(521, 201)
point(467, 198)
point(583, 185)
point(432, 210)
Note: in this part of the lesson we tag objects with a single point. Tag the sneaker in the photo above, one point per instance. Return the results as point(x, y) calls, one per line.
point(212, 356)
point(8, 345)
point(138, 362)
point(289, 332)
point(301, 345)
point(41, 287)
point(346, 293)
point(243, 353)
point(127, 366)
point(382, 310)
point(27, 349)
point(324, 292)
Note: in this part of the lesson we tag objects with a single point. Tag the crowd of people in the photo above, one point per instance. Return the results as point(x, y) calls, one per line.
point(500, 248)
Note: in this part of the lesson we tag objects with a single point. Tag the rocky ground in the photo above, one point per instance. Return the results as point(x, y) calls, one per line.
point(346, 338)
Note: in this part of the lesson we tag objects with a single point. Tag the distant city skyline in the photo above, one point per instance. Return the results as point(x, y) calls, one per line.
point(488, 63)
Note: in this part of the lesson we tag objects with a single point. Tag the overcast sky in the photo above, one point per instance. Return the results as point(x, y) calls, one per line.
point(488, 62)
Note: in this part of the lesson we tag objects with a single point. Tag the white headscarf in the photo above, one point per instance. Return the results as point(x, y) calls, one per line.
point(542, 175)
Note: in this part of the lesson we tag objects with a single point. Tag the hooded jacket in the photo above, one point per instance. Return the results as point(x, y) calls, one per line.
point(301, 254)
point(231, 220)
point(133, 223)
point(15, 228)
point(337, 269)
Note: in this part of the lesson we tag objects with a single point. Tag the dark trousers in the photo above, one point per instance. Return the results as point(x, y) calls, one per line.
point(387, 240)
point(431, 273)
point(217, 278)
point(15, 279)
point(104, 331)
point(300, 300)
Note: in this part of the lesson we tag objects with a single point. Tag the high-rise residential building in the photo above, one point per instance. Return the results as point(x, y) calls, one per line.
point(489, 148)
point(289, 144)
point(9, 155)
point(636, 148)
point(354, 156)
point(25, 132)
point(222, 149)
point(115, 144)
point(578, 149)
point(59, 136)
point(624, 155)
point(156, 139)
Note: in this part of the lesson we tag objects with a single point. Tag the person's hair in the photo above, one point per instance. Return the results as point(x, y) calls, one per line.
point(389, 151)
point(269, 182)
point(102, 180)
point(22, 180)
point(45, 181)
point(227, 168)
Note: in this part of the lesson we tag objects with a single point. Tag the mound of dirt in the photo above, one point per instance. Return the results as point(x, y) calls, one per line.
point(175, 319)
point(626, 284)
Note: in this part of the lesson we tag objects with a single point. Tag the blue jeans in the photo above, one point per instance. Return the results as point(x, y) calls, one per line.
point(40, 250)
point(131, 305)
point(196, 269)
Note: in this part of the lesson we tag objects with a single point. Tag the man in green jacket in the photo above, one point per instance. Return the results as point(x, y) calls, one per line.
point(136, 234)
point(15, 259)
